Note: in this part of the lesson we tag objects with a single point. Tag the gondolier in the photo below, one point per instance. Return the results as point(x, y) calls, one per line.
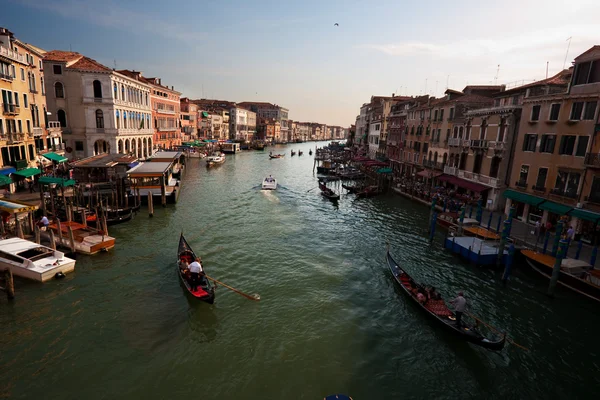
point(195, 271)
point(460, 304)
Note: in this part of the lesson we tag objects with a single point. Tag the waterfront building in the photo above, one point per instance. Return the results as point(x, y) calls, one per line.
point(99, 109)
point(555, 160)
point(397, 135)
point(242, 124)
point(269, 110)
point(269, 130)
point(25, 129)
point(188, 119)
point(304, 131)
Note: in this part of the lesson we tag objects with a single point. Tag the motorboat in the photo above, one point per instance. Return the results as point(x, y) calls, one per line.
point(269, 183)
point(215, 158)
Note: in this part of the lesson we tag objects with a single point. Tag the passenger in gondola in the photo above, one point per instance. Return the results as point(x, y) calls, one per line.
point(421, 298)
point(195, 269)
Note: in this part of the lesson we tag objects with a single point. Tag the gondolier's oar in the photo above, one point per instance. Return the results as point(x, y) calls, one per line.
point(496, 330)
point(255, 296)
point(310, 189)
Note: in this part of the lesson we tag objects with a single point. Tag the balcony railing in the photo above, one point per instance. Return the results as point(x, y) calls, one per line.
point(454, 142)
point(34, 91)
point(475, 177)
point(165, 129)
point(466, 143)
point(539, 188)
point(592, 160)
point(495, 145)
point(6, 77)
point(17, 137)
point(37, 131)
point(571, 194)
point(479, 144)
point(10, 109)
point(53, 125)
point(164, 111)
point(12, 55)
point(521, 184)
point(450, 170)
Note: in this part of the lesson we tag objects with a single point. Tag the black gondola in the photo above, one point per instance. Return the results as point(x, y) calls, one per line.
point(204, 292)
point(328, 193)
point(438, 310)
point(352, 188)
point(293, 153)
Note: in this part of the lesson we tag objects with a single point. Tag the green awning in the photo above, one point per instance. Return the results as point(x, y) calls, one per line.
point(523, 197)
point(27, 172)
point(384, 171)
point(585, 215)
point(555, 208)
point(204, 114)
point(55, 157)
point(5, 180)
point(50, 180)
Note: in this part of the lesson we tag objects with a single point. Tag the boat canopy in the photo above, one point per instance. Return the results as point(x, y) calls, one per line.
point(15, 206)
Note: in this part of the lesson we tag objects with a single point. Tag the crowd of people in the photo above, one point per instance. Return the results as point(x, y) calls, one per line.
point(453, 200)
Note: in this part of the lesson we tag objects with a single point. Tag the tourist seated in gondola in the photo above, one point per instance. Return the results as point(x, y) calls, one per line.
point(421, 298)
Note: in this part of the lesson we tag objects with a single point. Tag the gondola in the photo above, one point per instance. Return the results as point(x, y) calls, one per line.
point(369, 191)
point(205, 292)
point(310, 152)
point(293, 153)
point(438, 310)
point(352, 188)
point(328, 193)
point(299, 153)
point(271, 156)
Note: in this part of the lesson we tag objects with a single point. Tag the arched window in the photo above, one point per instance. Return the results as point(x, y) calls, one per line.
point(59, 90)
point(97, 89)
point(122, 92)
point(62, 118)
point(146, 98)
point(125, 119)
point(99, 119)
point(116, 91)
point(118, 120)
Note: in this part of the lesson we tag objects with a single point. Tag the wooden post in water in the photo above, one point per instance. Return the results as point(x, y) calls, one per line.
point(69, 216)
point(71, 238)
point(2, 227)
point(38, 238)
point(42, 199)
point(52, 239)
point(59, 230)
point(104, 225)
point(31, 224)
point(560, 254)
point(125, 199)
point(83, 217)
point(10, 285)
point(52, 205)
point(150, 205)
point(18, 227)
point(163, 195)
point(139, 197)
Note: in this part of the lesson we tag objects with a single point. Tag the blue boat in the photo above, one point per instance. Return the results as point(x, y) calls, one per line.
point(474, 249)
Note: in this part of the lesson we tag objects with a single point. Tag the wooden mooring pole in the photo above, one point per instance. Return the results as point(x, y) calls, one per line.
point(52, 239)
point(10, 285)
point(150, 205)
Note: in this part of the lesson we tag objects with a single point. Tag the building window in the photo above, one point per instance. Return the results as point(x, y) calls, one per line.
point(78, 145)
point(25, 102)
point(582, 144)
point(59, 91)
point(115, 91)
point(97, 89)
point(57, 69)
point(122, 92)
point(554, 112)
point(594, 191)
point(442, 114)
point(547, 144)
point(451, 117)
point(590, 110)
point(28, 122)
point(118, 119)
point(587, 72)
point(524, 172)
point(42, 85)
point(20, 124)
point(576, 110)
point(567, 144)
point(62, 118)
point(540, 183)
point(17, 104)
point(99, 119)
point(23, 74)
point(435, 115)
point(529, 142)
point(567, 183)
point(535, 112)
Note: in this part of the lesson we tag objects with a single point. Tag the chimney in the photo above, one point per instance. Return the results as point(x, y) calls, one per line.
point(393, 94)
point(172, 87)
point(159, 81)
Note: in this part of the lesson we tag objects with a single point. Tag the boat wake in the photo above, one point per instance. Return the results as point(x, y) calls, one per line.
point(270, 196)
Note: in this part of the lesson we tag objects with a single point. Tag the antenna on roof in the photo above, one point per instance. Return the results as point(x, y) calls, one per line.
point(497, 73)
point(566, 55)
point(115, 62)
point(70, 48)
point(547, 62)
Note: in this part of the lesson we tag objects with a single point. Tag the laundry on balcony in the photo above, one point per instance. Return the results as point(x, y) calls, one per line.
point(7, 170)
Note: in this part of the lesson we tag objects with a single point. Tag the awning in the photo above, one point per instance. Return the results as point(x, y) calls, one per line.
point(585, 215)
point(133, 164)
point(50, 180)
point(5, 180)
point(427, 173)
point(55, 157)
point(27, 172)
point(555, 208)
point(384, 171)
point(453, 180)
point(16, 206)
point(523, 197)
point(7, 170)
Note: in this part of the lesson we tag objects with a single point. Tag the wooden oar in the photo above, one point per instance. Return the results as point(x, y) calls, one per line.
point(310, 189)
point(254, 297)
point(497, 331)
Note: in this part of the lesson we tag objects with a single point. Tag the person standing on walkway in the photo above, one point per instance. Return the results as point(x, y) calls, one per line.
point(460, 305)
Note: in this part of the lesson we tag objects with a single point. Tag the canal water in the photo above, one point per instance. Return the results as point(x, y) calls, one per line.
point(330, 319)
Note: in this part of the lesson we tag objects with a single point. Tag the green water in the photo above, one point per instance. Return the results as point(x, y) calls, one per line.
point(330, 319)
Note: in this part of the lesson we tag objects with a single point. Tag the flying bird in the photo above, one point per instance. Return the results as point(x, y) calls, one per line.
point(336, 24)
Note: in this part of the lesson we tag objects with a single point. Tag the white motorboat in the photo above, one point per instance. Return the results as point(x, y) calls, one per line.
point(33, 261)
point(269, 183)
point(215, 158)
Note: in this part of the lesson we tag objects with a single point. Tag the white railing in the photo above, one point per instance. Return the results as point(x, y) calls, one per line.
point(496, 145)
point(484, 179)
point(53, 125)
point(477, 143)
point(450, 170)
point(466, 142)
point(454, 141)
point(12, 55)
point(37, 131)
point(164, 111)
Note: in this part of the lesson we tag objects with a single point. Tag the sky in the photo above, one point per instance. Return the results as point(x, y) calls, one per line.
point(290, 53)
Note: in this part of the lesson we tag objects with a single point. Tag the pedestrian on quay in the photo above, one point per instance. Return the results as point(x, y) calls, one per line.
point(460, 305)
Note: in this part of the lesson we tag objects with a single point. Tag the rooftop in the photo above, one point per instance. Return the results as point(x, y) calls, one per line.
point(149, 169)
point(103, 161)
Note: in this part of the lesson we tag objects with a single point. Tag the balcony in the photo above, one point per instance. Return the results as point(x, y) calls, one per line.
point(495, 145)
point(10, 109)
point(484, 179)
point(592, 160)
point(521, 184)
point(165, 129)
point(541, 189)
point(17, 137)
point(450, 170)
point(13, 55)
point(165, 111)
point(54, 126)
point(433, 164)
point(6, 77)
point(454, 142)
point(37, 131)
point(479, 144)
point(570, 194)
point(34, 91)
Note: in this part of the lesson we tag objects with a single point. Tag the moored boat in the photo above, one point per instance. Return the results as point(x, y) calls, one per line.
point(328, 193)
point(369, 191)
point(352, 188)
point(576, 275)
point(87, 240)
point(216, 158)
point(269, 183)
point(33, 261)
point(439, 311)
point(205, 291)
